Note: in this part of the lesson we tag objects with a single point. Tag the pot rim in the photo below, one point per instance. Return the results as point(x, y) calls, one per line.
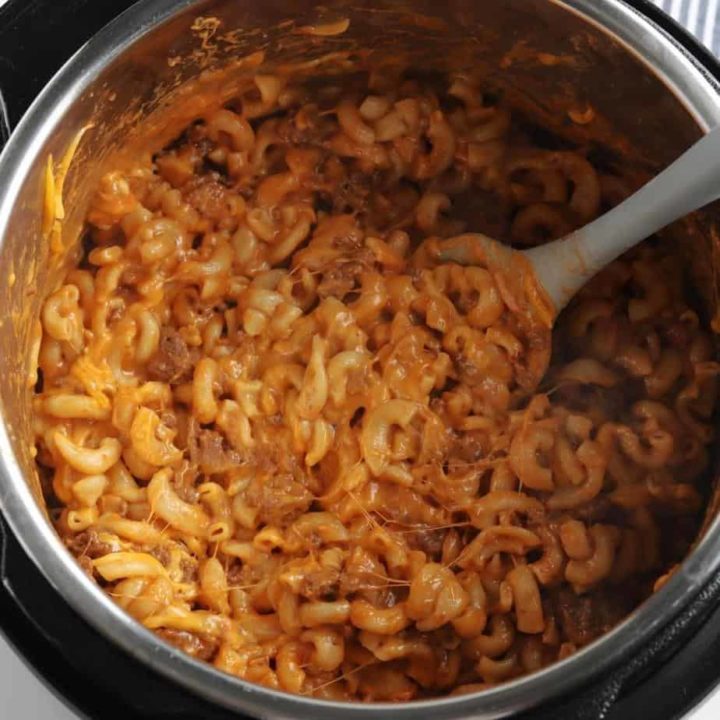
point(691, 74)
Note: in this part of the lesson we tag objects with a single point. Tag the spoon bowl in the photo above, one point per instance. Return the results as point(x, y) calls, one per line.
point(560, 268)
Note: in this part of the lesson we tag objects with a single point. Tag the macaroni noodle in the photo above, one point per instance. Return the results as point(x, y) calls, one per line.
point(285, 438)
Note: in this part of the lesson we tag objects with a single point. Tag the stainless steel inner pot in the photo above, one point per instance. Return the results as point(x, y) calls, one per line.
point(550, 56)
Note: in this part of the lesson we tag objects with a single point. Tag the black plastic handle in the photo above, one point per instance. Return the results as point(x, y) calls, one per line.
point(38, 36)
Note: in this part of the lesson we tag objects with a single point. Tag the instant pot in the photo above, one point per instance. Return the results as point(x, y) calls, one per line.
point(644, 72)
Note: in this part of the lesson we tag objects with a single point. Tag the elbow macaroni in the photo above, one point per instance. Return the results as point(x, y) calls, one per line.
point(288, 440)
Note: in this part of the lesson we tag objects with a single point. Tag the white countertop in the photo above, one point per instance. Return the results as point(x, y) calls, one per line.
point(22, 695)
point(709, 709)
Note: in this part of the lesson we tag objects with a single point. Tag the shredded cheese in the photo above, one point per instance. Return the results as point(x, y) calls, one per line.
point(53, 207)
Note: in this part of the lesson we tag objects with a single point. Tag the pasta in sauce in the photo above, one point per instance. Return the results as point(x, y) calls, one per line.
point(283, 437)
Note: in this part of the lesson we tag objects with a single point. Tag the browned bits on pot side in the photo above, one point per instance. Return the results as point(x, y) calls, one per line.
point(197, 646)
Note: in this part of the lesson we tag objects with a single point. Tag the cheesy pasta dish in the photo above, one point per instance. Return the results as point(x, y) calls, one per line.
point(281, 434)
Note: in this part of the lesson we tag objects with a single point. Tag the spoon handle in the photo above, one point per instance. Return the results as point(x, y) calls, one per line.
point(693, 180)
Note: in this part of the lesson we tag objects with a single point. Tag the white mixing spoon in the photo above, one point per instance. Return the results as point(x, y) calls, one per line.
point(562, 267)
